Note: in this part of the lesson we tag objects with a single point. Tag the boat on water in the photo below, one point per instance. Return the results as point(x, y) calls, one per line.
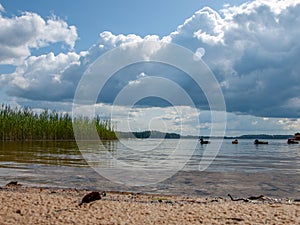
point(203, 141)
point(235, 142)
point(258, 142)
point(295, 139)
point(292, 141)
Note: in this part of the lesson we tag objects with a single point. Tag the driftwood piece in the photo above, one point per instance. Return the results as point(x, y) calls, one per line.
point(251, 198)
point(238, 199)
point(256, 197)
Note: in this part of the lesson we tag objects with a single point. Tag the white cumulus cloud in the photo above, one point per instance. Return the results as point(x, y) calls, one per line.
point(19, 34)
point(45, 77)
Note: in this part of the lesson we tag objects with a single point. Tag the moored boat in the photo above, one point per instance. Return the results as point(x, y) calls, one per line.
point(235, 141)
point(295, 139)
point(292, 141)
point(258, 142)
point(203, 141)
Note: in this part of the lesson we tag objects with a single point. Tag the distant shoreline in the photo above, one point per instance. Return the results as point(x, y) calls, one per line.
point(162, 135)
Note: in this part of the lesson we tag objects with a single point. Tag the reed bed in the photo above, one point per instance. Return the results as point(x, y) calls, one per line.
point(25, 124)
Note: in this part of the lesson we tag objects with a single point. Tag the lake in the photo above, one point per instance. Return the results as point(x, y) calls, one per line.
point(167, 166)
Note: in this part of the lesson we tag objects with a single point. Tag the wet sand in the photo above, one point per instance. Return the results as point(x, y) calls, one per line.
point(23, 205)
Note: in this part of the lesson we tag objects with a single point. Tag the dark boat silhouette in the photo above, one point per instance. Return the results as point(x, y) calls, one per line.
point(235, 141)
point(295, 139)
point(203, 141)
point(258, 142)
point(292, 141)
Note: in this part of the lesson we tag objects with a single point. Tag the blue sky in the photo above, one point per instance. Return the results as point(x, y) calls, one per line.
point(251, 47)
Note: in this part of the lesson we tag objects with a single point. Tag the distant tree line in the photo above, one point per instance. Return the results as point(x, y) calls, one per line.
point(148, 134)
point(25, 124)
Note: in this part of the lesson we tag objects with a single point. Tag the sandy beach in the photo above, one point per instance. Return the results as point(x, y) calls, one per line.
point(24, 205)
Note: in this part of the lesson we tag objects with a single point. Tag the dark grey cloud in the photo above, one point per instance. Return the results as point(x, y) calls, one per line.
point(254, 52)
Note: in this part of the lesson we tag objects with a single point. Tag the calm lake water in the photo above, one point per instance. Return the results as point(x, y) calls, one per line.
point(241, 170)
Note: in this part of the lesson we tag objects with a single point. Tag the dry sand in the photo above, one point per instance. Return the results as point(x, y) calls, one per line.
point(21, 205)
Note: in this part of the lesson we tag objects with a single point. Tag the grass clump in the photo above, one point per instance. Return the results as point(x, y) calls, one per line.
point(25, 124)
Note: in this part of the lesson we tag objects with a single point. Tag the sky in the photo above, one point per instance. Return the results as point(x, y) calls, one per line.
point(251, 47)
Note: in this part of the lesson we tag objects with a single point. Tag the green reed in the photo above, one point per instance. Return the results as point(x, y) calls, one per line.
point(25, 124)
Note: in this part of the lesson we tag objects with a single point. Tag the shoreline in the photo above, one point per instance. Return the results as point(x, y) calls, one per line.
point(43, 205)
point(199, 184)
